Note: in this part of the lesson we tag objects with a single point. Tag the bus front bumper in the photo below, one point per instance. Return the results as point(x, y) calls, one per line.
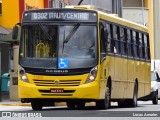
point(83, 91)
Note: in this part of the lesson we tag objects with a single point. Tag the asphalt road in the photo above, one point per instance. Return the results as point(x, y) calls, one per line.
point(144, 109)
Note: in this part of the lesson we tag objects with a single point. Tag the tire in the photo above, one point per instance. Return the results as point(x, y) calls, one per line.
point(80, 105)
point(104, 103)
point(155, 98)
point(37, 104)
point(133, 102)
point(70, 104)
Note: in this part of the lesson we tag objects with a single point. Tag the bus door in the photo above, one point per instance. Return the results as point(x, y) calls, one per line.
point(102, 59)
point(107, 55)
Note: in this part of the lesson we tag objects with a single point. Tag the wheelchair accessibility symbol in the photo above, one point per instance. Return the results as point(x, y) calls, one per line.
point(62, 63)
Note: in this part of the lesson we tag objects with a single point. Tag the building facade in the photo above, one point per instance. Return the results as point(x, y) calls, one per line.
point(11, 13)
point(141, 11)
point(156, 28)
point(11, 10)
point(110, 6)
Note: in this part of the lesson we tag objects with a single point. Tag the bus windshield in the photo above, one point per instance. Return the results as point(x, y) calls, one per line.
point(43, 44)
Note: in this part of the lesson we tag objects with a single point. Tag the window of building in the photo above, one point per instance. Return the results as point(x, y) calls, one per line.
point(60, 4)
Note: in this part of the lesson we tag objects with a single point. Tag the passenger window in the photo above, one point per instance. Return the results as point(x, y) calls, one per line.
point(143, 46)
point(116, 39)
point(140, 45)
point(146, 45)
point(129, 43)
point(122, 41)
point(135, 44)
point(108, 38)
point(103, 46)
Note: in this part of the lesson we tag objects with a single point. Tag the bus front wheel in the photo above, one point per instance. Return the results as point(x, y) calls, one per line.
point(80, 104)
point(36, 104)
point(70, 104)
point(104, 103)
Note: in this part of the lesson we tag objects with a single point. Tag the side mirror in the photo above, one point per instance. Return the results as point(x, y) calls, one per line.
point(15, 32)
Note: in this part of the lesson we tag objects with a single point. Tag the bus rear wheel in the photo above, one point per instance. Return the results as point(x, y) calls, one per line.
point(37, 104)
point(133, 102)
point(104, 103)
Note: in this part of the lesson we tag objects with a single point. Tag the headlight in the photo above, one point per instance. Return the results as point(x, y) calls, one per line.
point(92, 75)
point(23, 75)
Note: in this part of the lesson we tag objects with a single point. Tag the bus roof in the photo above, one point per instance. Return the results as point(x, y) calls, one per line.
point(112, 18)
point(117, 20)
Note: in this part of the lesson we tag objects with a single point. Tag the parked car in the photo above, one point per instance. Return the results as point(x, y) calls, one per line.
point(155, 89)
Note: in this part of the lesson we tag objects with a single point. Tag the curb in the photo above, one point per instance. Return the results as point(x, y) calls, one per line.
point(29, 104)
point(16, 104)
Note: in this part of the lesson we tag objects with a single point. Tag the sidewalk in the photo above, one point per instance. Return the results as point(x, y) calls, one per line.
point(5, 101)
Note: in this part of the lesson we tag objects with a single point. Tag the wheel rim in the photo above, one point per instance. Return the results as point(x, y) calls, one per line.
point(107, 98)
point(135, 97)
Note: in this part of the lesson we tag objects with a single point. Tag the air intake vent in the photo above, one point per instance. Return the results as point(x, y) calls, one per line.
point(57, 82)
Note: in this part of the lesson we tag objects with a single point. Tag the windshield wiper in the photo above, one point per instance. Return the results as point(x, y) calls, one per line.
point(44, 30)
point(71, 33)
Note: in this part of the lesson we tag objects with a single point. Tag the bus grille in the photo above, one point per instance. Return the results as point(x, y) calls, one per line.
point(57, 83)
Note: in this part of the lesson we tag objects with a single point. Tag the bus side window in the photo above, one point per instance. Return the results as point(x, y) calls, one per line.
point(143, 46)
point(108, 38)
point(135, 44)
point(103, 48)
point(116, 39)
point(129, 43)
point(140, 45)
point(147, 49)
point(139, 36)
point(122, 41)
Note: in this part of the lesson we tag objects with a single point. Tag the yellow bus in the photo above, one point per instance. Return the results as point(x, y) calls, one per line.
point(78, 55)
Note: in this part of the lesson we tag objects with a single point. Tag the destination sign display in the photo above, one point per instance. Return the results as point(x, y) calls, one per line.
point(60, 16)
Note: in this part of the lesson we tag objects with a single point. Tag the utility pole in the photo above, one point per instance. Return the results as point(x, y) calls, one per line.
point(117, 7)
point(143, 12)
point(156, 21)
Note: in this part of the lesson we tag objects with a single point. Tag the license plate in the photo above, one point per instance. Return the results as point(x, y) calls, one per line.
point(57, 90)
